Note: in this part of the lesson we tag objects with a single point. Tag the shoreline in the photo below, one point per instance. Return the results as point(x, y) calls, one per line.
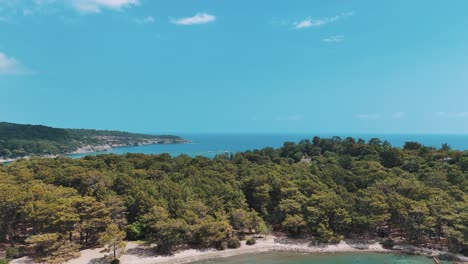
point(140, 253)
point(86, 150)
point(262, 246)
point(6, 161)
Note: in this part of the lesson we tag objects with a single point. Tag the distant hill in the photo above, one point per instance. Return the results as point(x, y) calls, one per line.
point(18, 140)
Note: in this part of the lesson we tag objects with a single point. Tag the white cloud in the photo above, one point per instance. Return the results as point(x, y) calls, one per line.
point(11, 66)
point(309, 22)
point(333, 39)
point(304, 24)
point(368, 116)
point(95, 6)
point(30, 7)
point(146, 20)
point(200, 18)
point(398, 115)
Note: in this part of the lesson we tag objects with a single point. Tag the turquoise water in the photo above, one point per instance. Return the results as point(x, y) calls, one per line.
point(294, 258)
point(210, 145)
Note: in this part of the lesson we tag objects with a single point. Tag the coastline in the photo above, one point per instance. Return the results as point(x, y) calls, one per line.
point(139, 253)
point(262, 246)
point(91, 149)
point(48, 156)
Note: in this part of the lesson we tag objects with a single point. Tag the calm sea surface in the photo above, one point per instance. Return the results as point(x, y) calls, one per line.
point(210, 145)
point(294, 258)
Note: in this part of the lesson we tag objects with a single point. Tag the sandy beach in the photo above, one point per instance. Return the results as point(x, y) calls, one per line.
point(262, 245)
point(138, 253)
point(142, 254)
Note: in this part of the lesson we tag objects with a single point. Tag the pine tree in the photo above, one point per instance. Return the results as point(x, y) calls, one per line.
point(113, 239)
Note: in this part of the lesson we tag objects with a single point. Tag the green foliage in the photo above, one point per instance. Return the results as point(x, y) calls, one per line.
point(251, 241)
point(66, 251)
point(134, 231)
point(113, 240)
point(411, 145)
point(211, 232)
point(52, 248)
point(233, 243)
point(294, 224)
point(4, 261)
point(350, 188)
point(391, 158)
point(246, 220)
point(44, 245)
point(463, 163)
point(324, 233)
point(388, 243)
point(14, 252)
point(221, 245)
point(21, 140)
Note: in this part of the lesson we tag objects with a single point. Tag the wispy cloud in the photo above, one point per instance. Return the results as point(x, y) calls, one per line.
point(200, 18)
point(334, 39)
point(368, 116)
point(304, 24)
point(96, 6)
point(27, 12)
point(310, 22)
point(11, 66)
point(452, 114)
point(30, 7)
point(146, 20)
point(398, 115)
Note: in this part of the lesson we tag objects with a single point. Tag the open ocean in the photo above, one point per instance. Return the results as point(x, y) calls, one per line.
point(210, 145)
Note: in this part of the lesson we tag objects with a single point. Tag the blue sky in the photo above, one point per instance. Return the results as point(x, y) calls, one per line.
point(184, 66)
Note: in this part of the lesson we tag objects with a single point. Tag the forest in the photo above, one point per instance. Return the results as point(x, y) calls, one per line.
point(18, 140)
point(323, 189)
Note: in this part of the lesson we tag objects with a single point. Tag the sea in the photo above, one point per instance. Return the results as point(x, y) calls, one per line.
point(210, 145)
point(341, 258)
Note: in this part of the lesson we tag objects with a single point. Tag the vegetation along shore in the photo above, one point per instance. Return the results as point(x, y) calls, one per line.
point(314, 193)
point(23, 141)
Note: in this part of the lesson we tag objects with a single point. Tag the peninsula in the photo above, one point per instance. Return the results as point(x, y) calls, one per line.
point(19, 141)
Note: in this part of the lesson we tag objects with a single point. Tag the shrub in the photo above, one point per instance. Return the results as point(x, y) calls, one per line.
point(447, 257)
point(336, 239)
point(221, 245)
point(388, 243)
point(134, 231)
point(233, 243)
point(14, 252)
point(4, 261)
point(251, 241)
point(241, 236)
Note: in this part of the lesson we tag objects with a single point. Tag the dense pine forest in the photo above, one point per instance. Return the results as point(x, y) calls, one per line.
point(320, 189)
point(18, 140)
